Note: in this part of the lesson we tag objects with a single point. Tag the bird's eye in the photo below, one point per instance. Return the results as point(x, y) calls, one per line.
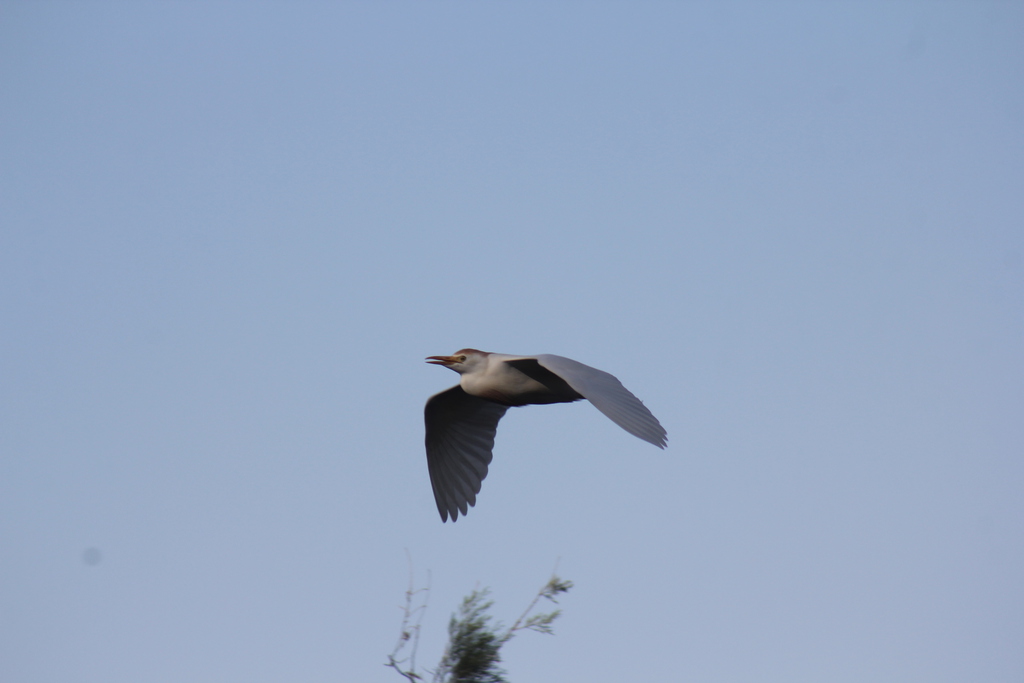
point(462, 359)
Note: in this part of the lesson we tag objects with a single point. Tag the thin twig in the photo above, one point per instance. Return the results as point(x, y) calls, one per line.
point(540, 622)
point(412, 616)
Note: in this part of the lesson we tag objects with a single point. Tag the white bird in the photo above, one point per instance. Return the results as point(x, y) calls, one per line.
point(461, 421)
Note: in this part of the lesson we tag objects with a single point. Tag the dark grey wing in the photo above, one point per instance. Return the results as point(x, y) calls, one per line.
point(609, 396)
point(558, 390)
point(460, 437)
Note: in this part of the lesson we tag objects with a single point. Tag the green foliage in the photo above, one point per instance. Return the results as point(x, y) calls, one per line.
point(474, 646)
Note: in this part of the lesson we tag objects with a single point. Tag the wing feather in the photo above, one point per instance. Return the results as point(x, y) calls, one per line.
point(460, 438)
point(609, 396)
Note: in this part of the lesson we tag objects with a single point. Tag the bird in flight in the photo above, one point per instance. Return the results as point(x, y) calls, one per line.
point(461, 421)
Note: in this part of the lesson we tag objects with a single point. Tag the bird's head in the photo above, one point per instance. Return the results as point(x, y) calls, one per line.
point(462, 361)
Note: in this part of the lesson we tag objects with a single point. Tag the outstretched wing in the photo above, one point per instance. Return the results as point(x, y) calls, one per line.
point(609, 396)
point(460, 437)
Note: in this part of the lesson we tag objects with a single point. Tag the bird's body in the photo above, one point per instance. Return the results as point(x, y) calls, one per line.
point(461, 421)
point(515, 381)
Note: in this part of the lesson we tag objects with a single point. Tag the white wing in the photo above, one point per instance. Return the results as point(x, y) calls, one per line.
point(460, 438)
point(609, 396)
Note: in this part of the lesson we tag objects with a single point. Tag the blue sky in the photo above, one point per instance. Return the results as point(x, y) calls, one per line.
point(232, 231)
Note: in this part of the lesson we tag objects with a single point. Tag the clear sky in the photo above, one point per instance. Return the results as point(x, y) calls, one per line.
point(231, 232)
